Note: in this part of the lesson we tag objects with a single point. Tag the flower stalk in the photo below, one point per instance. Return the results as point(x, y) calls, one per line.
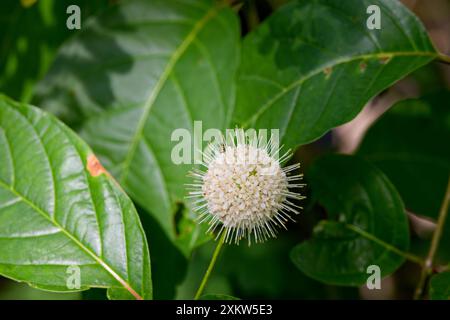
point(210, 267)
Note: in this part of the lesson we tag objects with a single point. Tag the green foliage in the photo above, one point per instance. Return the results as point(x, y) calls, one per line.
point(29, 39)
point(399, 144)
point(300, 75)
point(366, 219)
point(21, 291)
point(59, 209)
point(440, 286)
point(138, 70)
point(151, 67)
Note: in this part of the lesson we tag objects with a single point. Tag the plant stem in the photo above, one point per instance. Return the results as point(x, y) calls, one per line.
point(428, 266)
point(443, 58)
point(211, 266)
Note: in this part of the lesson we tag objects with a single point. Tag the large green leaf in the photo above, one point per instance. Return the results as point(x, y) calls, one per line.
point(137, 73)
point(314, 64)
point(366, 223)
point(410, 143)
point(59, 208)
point(440, 286)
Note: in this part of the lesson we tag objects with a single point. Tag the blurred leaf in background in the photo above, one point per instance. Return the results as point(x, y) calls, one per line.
point(31, 33)
point(366, 223)
point(410, 144)
point(262, 271)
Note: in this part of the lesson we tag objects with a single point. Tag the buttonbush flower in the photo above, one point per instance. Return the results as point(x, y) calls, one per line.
point(244, 191)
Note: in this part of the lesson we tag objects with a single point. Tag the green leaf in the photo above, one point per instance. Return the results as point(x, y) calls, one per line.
point(409, 143)
point(366, 224)
point(29, 39)
point(59, 208)
point(314, 64)
point(266, 272)
point(190, 233)
point(134, 75)
point(440, 286)
point(19, 291)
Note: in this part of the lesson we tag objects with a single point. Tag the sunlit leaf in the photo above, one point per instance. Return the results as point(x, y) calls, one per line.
point(62, 213)
point(314, 64)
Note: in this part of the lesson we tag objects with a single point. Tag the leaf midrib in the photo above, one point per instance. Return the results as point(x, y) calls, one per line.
point(102, 263)
point(286, 89)
point(369, 236)
point(160, 84)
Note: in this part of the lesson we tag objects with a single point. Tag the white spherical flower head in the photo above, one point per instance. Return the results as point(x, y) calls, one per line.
point(244, 189)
